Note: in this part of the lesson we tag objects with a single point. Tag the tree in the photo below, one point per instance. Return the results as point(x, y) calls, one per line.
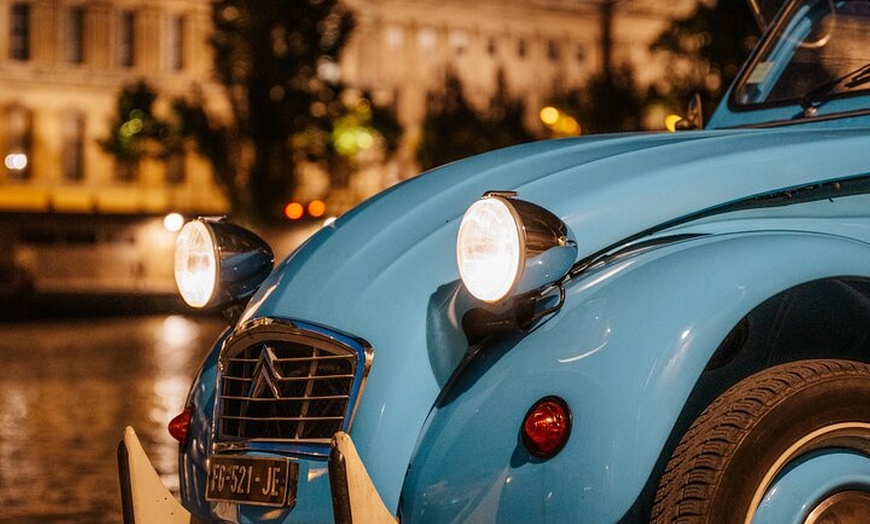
point(213, 141)
point(705, 50)
point(136, 132)
point(607, 103)
point(361, 130)
point(453, 129)
point(279, 62)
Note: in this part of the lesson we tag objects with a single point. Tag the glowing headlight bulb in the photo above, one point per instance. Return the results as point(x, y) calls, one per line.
point(489, 249)
point(195, 264)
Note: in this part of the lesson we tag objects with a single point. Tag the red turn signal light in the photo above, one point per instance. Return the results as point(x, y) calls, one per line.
point(179, 425)
point(547, 427)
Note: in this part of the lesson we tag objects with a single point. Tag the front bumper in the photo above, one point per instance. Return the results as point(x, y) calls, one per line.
point(146, 500)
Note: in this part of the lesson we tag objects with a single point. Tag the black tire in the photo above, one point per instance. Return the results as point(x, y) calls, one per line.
point(729, 456)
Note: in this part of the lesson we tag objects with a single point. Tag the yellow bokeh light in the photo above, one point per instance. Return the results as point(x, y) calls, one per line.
point(671, 122)
point(568, 126)
point(549, 115)
point(365, 140)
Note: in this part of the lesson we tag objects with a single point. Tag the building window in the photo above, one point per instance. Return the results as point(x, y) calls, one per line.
point(395, 36)
point(491, 46)
point(553, 50)
point(427, 38)
point(174, 42)
point(75, 35)
point(125, 41)
point(19, 34)
point(459, 41)
point(175, 165)
point(74, 146)
point(19, 150)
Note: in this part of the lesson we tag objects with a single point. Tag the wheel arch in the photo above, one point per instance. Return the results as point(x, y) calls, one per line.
point(628, 351)
point(818, 308)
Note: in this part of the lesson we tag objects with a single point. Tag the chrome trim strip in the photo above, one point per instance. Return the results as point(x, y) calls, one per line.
point(287, 399)
point(277, 419)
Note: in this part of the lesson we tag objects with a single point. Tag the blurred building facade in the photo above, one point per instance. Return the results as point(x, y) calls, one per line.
point(71, 219)
point(62, 67)
point(63, 64)
point(403, 48)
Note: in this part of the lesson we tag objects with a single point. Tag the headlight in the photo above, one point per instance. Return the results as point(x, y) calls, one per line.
point(217, 263)
point(507, 246)
point(488, 249)
point(195, 264)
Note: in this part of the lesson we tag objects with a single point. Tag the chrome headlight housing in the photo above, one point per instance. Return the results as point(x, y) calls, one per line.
point(508, 246)
point(219, 263)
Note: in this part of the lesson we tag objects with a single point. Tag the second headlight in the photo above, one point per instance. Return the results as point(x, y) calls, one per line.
point(219, 263)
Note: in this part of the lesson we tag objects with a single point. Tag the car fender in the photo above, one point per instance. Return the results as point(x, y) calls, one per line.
point(195, 451)
point(625, 352)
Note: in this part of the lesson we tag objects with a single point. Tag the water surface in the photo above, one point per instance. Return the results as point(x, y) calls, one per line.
point(67, 390)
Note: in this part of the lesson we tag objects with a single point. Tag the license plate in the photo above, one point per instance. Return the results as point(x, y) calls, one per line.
point(252, 480)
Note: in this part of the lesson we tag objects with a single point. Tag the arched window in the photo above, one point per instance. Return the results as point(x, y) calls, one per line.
point(73, 146)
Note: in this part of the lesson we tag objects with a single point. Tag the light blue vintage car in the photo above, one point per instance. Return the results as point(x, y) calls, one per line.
point(625, 328)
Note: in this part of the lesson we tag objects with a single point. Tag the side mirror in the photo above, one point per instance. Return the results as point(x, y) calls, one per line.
point(694, 115)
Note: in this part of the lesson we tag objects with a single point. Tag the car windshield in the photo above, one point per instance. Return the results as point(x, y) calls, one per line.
point(821, 50)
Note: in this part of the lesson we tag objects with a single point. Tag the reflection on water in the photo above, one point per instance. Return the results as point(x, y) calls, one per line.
point(68, 389)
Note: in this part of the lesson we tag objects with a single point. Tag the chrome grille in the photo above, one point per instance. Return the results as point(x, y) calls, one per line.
point(288, 382)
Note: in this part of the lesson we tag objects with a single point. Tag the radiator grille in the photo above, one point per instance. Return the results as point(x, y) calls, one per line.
point(282, 382)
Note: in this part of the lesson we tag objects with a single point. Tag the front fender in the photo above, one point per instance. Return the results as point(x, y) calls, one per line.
point(625, 351)
point(194, 453)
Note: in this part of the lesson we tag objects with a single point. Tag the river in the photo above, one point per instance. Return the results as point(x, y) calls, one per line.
point(68, 387)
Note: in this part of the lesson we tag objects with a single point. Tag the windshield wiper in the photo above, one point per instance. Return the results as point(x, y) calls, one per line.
point(821, 94)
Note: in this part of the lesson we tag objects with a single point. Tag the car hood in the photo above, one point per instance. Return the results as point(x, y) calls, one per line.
point(386, 271)
point(605, 188)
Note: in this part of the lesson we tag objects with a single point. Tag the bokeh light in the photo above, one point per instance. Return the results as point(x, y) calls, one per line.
point(316, 208)
point(173, 222)
point(294, 210)
point(671, 122)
